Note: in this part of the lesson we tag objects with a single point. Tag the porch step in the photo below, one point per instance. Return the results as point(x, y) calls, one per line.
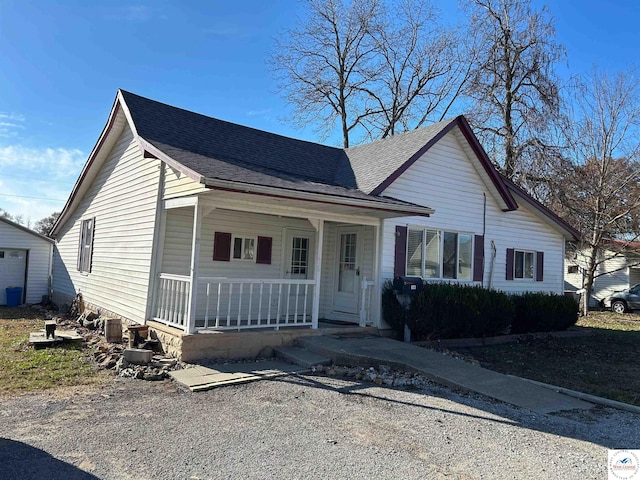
point(301, 356)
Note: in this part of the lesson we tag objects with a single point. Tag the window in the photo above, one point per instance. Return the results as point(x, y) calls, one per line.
point(572, 269)
point(299, 256)
point(227, 247)
point(438, 254)
point(244, 248)
point(86, 245)
point(523, 265)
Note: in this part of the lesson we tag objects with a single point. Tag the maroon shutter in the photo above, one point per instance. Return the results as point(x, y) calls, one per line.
point(222, 246)
point(510, 254)
point(93, 235)
point(478, 257)
point(263, 252)
point(539, 266)
point(400, 263)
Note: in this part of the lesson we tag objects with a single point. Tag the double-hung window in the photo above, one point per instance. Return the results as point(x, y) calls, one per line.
point(86, 245)
point(439, 254)
point(524, 265)
point(244, 248)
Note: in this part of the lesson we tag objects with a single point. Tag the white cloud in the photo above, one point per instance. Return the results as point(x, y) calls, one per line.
point(55, 163)
point(35, 182)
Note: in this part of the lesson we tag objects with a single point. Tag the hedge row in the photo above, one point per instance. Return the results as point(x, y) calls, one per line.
point(443, 310)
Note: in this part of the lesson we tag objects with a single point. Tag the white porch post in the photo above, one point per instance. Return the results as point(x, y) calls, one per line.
point(315, 312)
point(376, 294)
point(193, 271)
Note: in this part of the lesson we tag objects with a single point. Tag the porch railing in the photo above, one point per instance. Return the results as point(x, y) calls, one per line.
point(172, 304)
point(236, 304)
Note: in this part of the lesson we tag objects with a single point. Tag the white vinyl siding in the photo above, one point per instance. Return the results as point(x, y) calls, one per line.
point(123, 199)
point(446, 180)
point(39, 254)
point(177, 184)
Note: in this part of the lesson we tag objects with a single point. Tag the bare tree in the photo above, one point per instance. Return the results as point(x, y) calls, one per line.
point(369, 66)
point(322, 64)
point(421, 69)
point(513, 85)
point(44, 225)
point(598, 188)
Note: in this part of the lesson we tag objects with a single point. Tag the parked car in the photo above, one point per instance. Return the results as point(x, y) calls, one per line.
point(624, 301)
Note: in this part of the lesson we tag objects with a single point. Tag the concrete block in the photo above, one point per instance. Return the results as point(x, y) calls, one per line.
point(138, 356)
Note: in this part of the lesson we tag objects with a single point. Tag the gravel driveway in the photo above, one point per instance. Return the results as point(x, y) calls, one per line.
point(299, 427)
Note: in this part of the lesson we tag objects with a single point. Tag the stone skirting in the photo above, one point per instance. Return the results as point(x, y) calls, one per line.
point(233, 344)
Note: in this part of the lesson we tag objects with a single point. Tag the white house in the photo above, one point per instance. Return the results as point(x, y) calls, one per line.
point(25, 262)
point(199, 225)
point(618, 270)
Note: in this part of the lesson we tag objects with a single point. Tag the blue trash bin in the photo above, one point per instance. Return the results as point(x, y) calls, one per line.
point(14, 296)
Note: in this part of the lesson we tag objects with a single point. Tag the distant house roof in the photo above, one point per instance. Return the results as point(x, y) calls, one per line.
point(24, 229)
point(212, 151)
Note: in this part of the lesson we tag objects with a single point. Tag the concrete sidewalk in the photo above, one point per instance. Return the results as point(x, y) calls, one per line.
point(440, 368)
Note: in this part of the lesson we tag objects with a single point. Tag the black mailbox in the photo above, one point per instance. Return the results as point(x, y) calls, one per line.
point(407, 285)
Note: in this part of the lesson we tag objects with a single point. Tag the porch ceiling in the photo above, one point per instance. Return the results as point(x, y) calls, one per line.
point(302, 208)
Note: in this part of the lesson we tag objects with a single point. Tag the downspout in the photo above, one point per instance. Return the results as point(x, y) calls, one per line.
point(493, 262)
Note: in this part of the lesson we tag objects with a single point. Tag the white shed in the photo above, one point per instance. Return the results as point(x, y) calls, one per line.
point(25, 262)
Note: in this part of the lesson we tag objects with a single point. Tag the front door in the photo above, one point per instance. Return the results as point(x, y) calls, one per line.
point(348, 270)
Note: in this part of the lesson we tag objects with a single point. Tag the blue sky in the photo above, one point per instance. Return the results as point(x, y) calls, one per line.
point(62, 61)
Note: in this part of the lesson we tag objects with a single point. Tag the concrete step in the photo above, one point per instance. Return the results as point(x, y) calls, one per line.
point(301, 356)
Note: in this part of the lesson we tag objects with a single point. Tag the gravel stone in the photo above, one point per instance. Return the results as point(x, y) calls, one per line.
point(300, 427)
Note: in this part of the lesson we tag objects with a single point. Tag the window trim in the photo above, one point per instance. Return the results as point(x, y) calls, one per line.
point(534, 265)
point(441, 235)
point(242, 248)
point(85, 259)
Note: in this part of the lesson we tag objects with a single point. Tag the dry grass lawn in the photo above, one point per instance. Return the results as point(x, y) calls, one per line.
point(604, 363)
point(24, 369)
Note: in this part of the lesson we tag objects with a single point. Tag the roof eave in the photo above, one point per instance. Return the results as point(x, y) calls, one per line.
point(569, 232)
point(66, 210)
point(240, 187)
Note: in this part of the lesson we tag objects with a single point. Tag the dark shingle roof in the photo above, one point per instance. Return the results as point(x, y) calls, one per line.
point(372, 163)
point(218, 149)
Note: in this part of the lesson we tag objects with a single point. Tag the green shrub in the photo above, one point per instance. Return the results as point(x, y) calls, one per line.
point(543, 312)
point(443, 310)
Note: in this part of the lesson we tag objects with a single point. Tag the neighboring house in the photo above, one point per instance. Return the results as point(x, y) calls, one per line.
point(25, 262)
point(199, 224)
point(619, 271)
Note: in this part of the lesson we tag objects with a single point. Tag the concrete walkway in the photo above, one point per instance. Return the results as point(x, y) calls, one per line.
point(443, 369)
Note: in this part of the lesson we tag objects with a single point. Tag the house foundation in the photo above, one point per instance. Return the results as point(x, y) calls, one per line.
point(244, 344)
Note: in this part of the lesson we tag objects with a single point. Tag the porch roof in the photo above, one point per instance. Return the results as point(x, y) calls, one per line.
point(224, 155)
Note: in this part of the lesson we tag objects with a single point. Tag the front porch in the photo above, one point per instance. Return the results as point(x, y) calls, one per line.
point(228, 263)
point(207, 343)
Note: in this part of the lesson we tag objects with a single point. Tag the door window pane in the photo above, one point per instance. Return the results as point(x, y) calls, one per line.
point(347, 266)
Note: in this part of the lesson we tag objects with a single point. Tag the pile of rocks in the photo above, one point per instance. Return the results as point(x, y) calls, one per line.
point(110, 356)
point(157, 369)
point(383, 375)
